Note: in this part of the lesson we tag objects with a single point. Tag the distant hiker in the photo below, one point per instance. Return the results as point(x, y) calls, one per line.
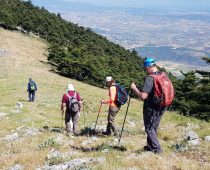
point(114, 107)
point(71, 104)
point(155, 101)
point(32, 88)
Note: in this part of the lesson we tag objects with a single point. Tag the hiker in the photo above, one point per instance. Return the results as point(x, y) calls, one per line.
point(32, 88)
point(71, 104)
point(153, 108)
point(113, 107)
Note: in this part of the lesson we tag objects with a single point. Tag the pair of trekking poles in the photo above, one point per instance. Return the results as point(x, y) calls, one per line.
point(99, 111)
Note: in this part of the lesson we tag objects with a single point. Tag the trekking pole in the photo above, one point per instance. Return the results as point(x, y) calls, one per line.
point(62, 120)
point(99, 111)
point(84, 112)
point(124, 120)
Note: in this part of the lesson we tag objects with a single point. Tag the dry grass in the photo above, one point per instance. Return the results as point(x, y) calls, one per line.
point(27, 57)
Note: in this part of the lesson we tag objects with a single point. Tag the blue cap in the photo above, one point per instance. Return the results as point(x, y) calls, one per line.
point(149, 62)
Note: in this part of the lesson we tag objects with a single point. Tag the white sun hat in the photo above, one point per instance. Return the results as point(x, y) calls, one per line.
point(108, 79)
point(70, 87)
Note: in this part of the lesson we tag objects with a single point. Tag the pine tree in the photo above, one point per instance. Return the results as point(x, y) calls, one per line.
point(193, 94)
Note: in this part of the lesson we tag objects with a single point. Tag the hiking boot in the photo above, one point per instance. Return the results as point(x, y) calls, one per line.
point(116, 134)
point(146, 148)
point(76, 133)
point(106, 133)
point(157, 151)
point(68, 133)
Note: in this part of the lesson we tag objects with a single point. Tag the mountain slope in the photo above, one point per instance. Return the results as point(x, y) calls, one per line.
point(77, 52)
point(23, 56)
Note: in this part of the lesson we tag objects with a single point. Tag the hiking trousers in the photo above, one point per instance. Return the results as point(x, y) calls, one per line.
point(152, 119)
point(31, 96)
point(74, 117)
point(111, 120)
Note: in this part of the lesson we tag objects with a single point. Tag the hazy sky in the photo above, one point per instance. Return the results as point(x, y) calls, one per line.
point(178, 4)
point(150, 3)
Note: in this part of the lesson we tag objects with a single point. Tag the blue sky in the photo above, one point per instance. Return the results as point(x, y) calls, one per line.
point(179, 4)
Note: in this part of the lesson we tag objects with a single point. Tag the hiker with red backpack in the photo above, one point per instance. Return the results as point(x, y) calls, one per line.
point(32, 88)
point(71, 104)
point(117, 97)
point(157, 94)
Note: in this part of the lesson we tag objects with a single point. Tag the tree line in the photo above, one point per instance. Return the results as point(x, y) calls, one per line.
point(193, 93)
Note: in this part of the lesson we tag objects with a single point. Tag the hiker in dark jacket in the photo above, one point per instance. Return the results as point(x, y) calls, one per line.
point(151, 112)
point(32, 88)
point(113, 108)
point(71, 110)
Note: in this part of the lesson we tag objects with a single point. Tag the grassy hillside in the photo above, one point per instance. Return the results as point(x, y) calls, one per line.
point(23, 56)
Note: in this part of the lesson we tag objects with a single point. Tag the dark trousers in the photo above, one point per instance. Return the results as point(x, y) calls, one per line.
point(152, 119)
point(31, 96)
point(74, 117)
point(111, 119)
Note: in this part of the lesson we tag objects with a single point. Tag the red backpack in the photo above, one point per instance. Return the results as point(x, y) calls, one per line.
point(163, 89)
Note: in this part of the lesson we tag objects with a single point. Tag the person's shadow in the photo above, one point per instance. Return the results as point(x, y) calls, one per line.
point(23, 100)
point(100, 148)
point(91, 132)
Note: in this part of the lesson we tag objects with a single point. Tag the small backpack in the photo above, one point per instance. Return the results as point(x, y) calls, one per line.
point(163, 90)
point(73, 103)
point(32, 86)
point(122, 95)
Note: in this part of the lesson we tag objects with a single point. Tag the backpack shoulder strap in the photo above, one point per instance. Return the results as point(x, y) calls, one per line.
point(156, 74)
point(31, 83)
point(75, 94)
point(68, 95)
point(117, 85)
point(152, 75)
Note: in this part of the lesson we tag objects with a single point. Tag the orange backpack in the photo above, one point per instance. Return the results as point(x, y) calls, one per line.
point(163, 90)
